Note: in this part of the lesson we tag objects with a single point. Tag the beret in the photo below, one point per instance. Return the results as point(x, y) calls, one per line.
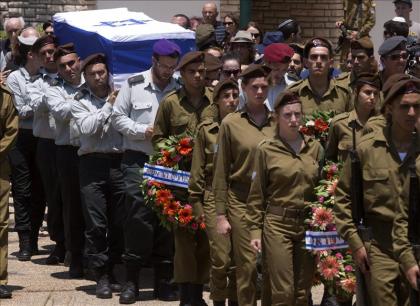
point(364, 43)
point(222, 85)
point(316, 42)
point(398, 84)
point(242, 37)
point(255, 71)
point(205, 36)
point(191, 57)
point(212, 62)
point(165, 47)
point(64, 50)
point(93, 59)
point(278, 52)
point(372, 79)
point(43, 41)
point(391, 44)
point(405, 1)
point(286, 97)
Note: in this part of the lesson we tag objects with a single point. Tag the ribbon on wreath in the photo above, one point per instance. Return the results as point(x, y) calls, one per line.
point(319, 241)
point(168, 176)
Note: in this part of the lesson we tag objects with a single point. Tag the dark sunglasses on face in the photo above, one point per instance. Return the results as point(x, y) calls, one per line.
point(228, 23)
point(396, 57)
point(230, 72)
point(255, 35)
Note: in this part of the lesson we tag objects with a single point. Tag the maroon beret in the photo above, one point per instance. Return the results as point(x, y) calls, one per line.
point(278, 52)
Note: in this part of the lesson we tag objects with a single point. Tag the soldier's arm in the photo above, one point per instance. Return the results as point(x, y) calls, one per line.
point(58, 104)
point(369, 18)
point(342, 209)
point(197, 176)
point(221, 169)
point(331, 150)
point(21, 101)
point(402, 247)
point(161, 126)
point(9, 126)
point(256, 202)
point(121, 116)
point(90, 122)
point(36, 93)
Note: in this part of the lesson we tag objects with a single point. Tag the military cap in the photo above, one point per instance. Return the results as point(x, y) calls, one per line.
point(409, 2)
point(286, 97)
point(64, 50)
point(391, 44)
point(205, 36)
point(242, 37)
point(399, 84)
point(317, 42)
point(255, 71)
point(93, 59)
point(278, 52)
point(270, 38)
point(191, 57)
point(372, 79)
point(212, 62)
point(364, 43)
point(165, 47)
point(227, 83)
point(43, 41)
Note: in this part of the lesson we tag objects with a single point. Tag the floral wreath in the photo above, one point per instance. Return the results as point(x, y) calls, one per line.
point(173, 154)
point(335, 267)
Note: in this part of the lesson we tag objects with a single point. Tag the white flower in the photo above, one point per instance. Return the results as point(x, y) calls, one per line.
point(310, 123)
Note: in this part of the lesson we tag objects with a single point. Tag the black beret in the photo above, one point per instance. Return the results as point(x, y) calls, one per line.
point(93, 59)
point(391, 44)
point(191, 57)
point(227, 83)
point(64, 50)
point(399, 84)
point(255, 71)
point(43, 41)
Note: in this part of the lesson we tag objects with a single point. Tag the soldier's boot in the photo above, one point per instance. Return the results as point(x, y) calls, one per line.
point(328, 300)
point(232, 303)
point(34, 242)
point(164, 289)
point(76, 266)
point(57, 255)
point(197, 295)
point(103, 289)
point(113, 282)
point(218, 303)
point(130, 290)
point(24, 253)
point(184, 294)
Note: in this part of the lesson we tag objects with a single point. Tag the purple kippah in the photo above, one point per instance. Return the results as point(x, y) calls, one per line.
point(165, 47)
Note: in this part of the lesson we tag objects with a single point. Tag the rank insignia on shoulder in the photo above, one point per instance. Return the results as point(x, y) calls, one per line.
point(34, 78)
point(80, 94)
point(54, 82)
point(137, 79)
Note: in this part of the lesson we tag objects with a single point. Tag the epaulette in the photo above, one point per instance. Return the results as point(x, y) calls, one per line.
point(136, 79)
point(80, 94)
point(340, 117)
point(342, 76)
point(34, 78)
point(374, 123)
point(206, 122)
point(265, 141)
point(341, 84)
point(295, 85)
point(54, 82)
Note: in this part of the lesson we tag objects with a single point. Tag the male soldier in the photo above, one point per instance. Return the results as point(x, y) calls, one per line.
point(295, 65)
point(44, 129)
point(277, 57)
point(100, 176)
point(213, 68)
point(403, 8)
point(133, 116)
point(319, 91)
point(393, 55)
point(59, 100)
point(210, 14)
point(362, 59)
point(8, 133)
point(385, 157)
point(359, 19)
point(180, 112)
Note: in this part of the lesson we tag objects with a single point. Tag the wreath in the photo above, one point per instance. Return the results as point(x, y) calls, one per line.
point(161, 174)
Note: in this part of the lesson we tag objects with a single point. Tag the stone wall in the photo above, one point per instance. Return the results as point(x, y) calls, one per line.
point(38, 11)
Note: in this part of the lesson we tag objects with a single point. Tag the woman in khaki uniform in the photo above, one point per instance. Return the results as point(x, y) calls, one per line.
point(285, 174)
point(340, 138)
point(238, 138)
point(222, 281)
point(385, 156)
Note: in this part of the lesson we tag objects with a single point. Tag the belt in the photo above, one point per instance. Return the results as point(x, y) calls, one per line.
point(287, 212)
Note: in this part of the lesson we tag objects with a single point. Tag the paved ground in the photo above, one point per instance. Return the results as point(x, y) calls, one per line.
point(35, 283)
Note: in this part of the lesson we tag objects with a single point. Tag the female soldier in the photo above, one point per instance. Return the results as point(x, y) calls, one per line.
point(223, 281)
point(366, 91)
point(385, 156)
point(238, 137)
point(285, 173)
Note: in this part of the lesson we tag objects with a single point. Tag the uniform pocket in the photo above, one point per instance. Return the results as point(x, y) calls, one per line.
point(375, 174)
point(142, 112)
point(179, 124)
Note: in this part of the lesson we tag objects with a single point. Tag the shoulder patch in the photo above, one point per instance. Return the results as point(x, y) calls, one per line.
point(80, 94)
point(137, 79)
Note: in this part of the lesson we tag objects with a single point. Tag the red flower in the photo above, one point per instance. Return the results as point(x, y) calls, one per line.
point(329, 267)
point(202, 226)
point(171, 208)
point(185, 215)
point(348, 284)
point(163, 196)
point(306, 131)
point(185, 146)
point(321, 125)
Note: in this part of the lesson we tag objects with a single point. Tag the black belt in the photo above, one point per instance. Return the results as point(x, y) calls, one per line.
point(287, 212)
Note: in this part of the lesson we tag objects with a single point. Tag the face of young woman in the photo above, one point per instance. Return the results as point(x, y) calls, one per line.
point(367, 98)
point(256, 90)
point(289, 118)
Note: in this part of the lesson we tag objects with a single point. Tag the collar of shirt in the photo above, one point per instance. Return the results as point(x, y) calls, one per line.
point(307, 85)
point(47, 75)
point(82, 82)
point(152, 86)
point(282, 144)
point(353, 116)
point(244, 113)
point(207, 95)
point(24, 73)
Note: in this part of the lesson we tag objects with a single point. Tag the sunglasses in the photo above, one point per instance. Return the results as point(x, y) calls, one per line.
point(228, 23)
point(255, 35)
point(396, 57)
point(230, 72)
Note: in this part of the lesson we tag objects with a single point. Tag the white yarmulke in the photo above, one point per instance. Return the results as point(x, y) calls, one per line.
point(399, 19)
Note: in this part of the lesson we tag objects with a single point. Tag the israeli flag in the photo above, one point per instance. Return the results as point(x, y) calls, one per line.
point(125, 37)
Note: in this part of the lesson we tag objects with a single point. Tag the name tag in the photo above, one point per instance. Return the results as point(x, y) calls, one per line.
point(166, 175)
point(319, 241)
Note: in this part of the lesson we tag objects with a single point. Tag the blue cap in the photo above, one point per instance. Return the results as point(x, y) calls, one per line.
point(391, 44)
point(165, 47)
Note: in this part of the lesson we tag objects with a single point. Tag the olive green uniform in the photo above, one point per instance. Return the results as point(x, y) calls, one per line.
point(238, 138)
point(283, 182)
point(8, 133)
point(223, 280)
point(360, 17)
point(175, 116)
point(382, 173)
point(340, 136)
point(402, 248)
point(336, 98)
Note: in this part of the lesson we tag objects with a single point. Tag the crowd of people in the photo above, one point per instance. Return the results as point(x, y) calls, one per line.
point(70, 141)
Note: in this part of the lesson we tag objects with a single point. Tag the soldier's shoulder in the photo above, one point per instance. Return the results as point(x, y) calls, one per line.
point(55, 82)
point(340, 118)
point(34, 78)
point(343, 85)
point(207, 124)
point(136, 79)
point(297, 85)
point(374, 123)
point(81, 94)
point(343, 76)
